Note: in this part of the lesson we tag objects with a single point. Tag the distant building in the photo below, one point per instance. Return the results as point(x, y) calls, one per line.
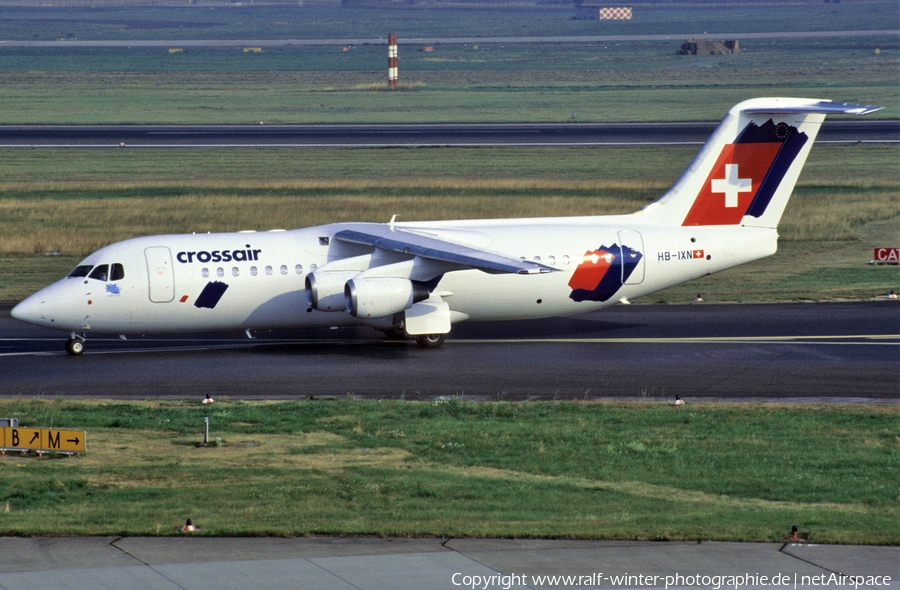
point(709, 47)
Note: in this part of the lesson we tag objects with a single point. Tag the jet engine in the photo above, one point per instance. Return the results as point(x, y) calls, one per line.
point(380, 297)
point(325, 290)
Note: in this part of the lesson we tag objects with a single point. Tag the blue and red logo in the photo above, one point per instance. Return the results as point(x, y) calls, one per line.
point(747, 174)
point(602, 272)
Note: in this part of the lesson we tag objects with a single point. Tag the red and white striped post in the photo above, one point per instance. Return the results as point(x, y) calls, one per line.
point(392, 60)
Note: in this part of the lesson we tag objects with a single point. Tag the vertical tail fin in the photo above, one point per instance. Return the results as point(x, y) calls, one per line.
point(746, 171)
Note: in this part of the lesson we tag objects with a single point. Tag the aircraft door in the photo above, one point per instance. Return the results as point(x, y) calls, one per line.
point(160, 274)
point(631, 248)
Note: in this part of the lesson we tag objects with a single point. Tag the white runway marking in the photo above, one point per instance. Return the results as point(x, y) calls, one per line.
point(878, 339)
point(199, 344)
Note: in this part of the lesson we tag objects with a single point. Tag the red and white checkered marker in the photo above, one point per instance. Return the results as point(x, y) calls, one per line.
point(616, 13)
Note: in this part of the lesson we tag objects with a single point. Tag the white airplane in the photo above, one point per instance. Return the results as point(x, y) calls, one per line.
point(417, 279)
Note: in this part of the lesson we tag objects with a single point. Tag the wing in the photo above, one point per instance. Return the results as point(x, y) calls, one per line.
point(404, 241)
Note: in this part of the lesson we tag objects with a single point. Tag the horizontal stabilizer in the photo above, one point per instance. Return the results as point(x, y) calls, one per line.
point(825, 107)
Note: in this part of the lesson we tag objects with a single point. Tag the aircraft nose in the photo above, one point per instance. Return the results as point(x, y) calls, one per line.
point(28, 310)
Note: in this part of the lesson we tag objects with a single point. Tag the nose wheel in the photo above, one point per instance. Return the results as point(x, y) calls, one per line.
point(75, 346)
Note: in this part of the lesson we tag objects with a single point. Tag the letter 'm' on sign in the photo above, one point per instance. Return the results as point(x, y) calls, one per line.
point(65, 440)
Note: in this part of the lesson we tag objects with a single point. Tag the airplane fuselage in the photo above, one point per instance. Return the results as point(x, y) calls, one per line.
point(256, 280)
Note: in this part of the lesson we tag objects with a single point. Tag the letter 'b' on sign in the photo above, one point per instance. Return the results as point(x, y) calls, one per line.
point(22, 438)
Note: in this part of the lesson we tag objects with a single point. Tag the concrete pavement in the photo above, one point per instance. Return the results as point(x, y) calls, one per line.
point(121, 563)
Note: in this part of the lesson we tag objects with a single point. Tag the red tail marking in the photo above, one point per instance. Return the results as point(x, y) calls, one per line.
point(731, 185)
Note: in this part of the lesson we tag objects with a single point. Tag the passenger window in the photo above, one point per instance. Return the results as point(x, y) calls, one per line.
point(299, 269)
point(284, 269)
point(80, 271)
point(100, 272)
point(268, 270)
point(252, 271)
point(118, 272)
point(234, 271)
point(204, 273)
point(220, 272)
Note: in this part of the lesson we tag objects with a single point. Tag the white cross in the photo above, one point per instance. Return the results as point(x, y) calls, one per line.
point(731, 185)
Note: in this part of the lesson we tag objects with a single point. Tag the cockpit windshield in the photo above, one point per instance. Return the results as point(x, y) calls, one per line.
point(101, 272)
point(80, 271)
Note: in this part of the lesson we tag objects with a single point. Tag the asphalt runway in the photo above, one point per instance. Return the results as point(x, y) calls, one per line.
point(822, 352)
point(430, 135)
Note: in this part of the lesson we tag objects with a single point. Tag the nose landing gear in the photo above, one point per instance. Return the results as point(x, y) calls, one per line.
point(75, 345)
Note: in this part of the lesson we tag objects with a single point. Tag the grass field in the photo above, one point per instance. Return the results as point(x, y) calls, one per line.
point(331, 22)
point(458, 82)
point(490, 84)
point(451, 468)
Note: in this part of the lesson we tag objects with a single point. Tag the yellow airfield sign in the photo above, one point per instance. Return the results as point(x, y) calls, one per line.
point(43, 439)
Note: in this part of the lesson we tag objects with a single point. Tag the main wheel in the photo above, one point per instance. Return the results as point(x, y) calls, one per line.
point(431, 340)
point(74, 346)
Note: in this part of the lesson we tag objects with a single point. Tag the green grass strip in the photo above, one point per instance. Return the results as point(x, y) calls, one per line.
point(736, 472)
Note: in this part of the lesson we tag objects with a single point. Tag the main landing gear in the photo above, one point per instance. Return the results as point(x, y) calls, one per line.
point(398, 332)
point(75, 345)
point(431, 340)
point(425, 340)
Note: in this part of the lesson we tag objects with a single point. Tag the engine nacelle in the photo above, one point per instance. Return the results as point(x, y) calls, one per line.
point(377, 298)
point(325, 290)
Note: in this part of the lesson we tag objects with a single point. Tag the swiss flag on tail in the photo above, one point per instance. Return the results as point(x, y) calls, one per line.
point(732, 184)
point(746, 174)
